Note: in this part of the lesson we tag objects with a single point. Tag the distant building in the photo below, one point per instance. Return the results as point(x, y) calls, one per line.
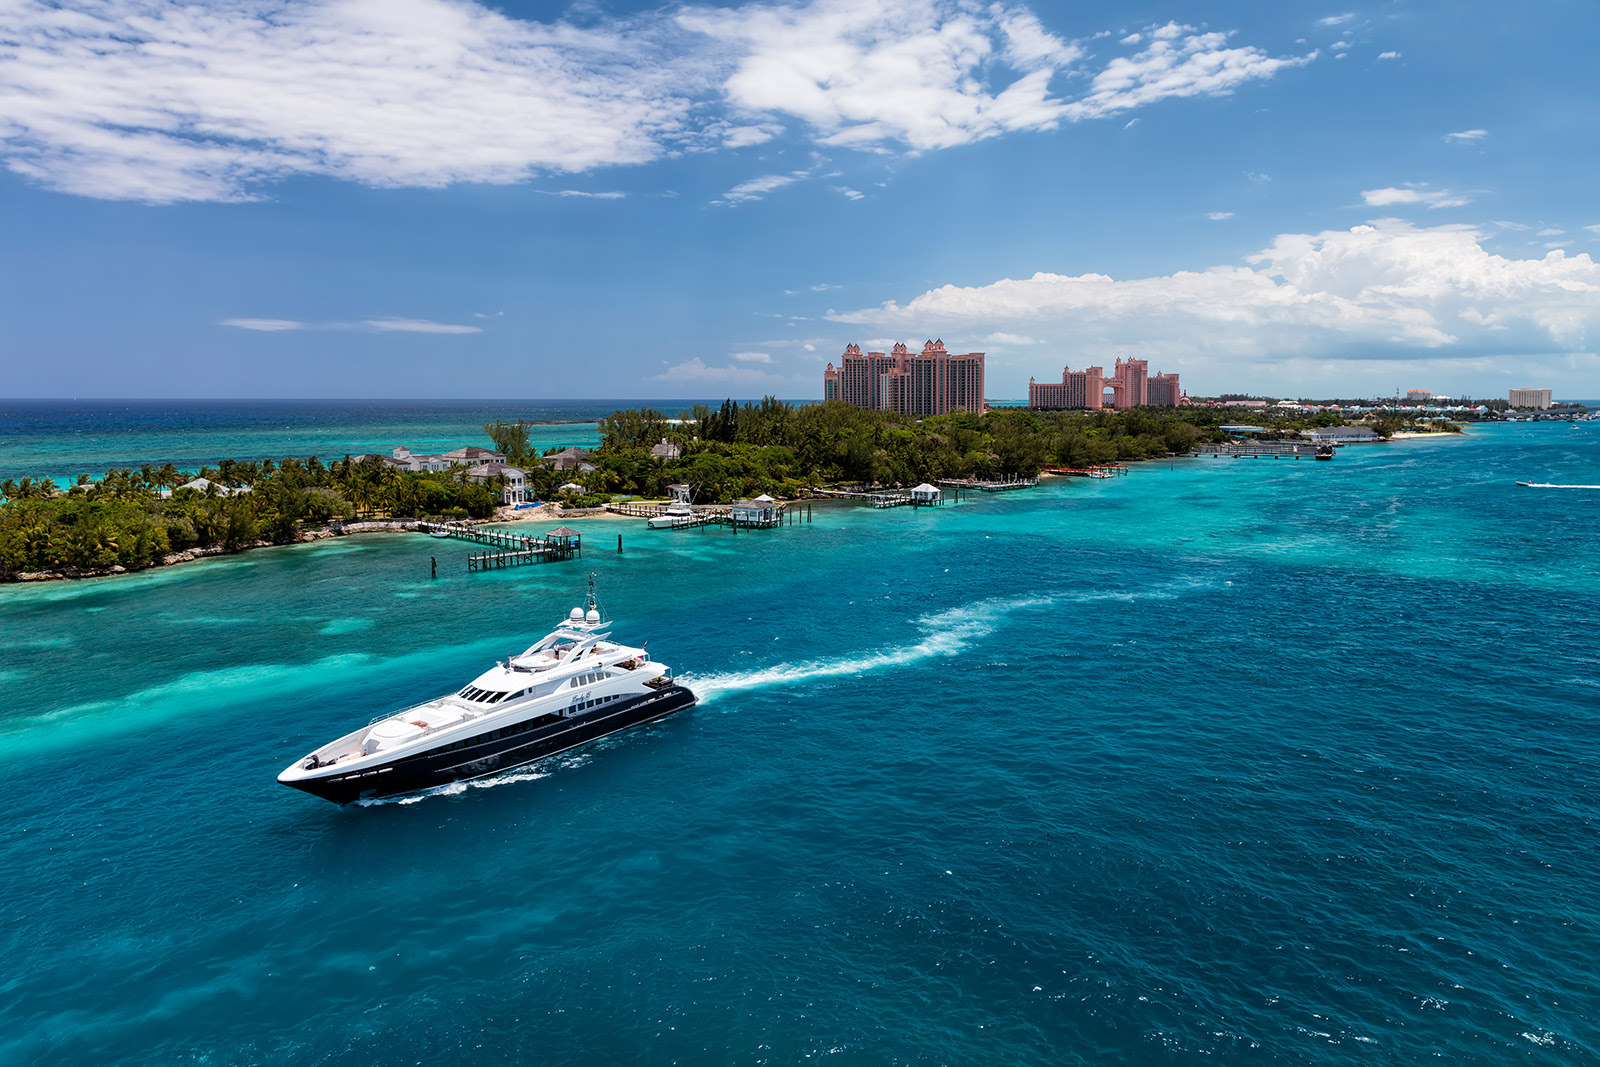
point(666, 450)
point(404, 458)
point(206, 487)
point(1531, 398)
point(1342, 435)
point(1130, 384)
point(570, 459)
point(1419, 394)
point(931, 382)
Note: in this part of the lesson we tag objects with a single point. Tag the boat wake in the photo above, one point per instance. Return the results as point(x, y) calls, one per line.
point(1552, 485)
point(946, 633)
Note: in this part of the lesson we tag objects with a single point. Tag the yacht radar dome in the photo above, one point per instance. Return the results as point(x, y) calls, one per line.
point(592, 616)
point(576, 614)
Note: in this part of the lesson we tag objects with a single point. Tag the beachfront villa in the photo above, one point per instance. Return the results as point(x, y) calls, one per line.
point(405, 459)
point(515, 490)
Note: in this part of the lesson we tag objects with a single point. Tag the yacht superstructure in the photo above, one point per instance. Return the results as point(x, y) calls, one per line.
point(573, 686)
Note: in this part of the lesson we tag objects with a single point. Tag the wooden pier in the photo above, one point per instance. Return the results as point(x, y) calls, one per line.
point(514, 549)
point(984, 486)
point(1259, 450)
point(878, 500)
point(705, 515)
point(1098, 470)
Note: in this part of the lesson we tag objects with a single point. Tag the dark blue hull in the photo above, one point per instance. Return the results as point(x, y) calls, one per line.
point(516, 747)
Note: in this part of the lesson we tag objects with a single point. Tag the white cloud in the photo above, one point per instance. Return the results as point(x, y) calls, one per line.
point(417, 326)
point(1218, 216)
point(1387, 290)
point(823, 287)
point(745, 136)
point(752, 357)
point(1595, 229)
point(148, 100)
point(697, 370)
point(848, 193)
point(757, 188)
point(1466, 136)
point(1550, 231)
point(1003, 338)
point(1178, 62)
point(160, 102)
point(1413, 193)
point(1336, 20)
point(592, 196)
point(1388, 55)
point(264, 325)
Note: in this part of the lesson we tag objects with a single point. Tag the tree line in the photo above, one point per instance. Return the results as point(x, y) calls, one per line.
point(123, 520)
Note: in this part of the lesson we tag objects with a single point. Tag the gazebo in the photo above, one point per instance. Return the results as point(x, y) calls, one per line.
point(926, 494)
point(564, 537)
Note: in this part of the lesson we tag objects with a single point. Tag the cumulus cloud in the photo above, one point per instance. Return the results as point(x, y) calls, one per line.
point(1413, 193)
point(1388, 289)
point(753, 357)
point(1336, 20)
point(264, 325)
point(160, 102)
point(1388, 55)
point(1218, 216)
point(1003, 338)
point(1466, 136)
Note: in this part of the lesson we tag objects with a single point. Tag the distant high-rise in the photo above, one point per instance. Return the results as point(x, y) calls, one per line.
point(1531, 398)
point(930, 382)
point(1130, 383)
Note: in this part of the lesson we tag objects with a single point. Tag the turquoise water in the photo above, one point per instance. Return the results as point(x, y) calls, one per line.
point(62, 439)
point(1249, 761)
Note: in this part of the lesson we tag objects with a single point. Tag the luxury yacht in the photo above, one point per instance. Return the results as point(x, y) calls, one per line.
point(573, 687)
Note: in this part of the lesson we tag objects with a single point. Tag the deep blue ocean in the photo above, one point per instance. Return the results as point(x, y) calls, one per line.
point(1245, 762)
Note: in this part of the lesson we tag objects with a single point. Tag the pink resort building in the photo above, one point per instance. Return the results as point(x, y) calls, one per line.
point(930, 382)
point(1130, 385)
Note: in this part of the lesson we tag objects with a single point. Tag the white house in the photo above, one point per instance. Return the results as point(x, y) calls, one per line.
point(516, 487)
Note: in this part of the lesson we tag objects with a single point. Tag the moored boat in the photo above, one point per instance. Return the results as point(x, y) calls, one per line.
point(572, 687)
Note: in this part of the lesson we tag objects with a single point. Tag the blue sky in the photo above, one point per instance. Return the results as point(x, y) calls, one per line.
point(420, 198)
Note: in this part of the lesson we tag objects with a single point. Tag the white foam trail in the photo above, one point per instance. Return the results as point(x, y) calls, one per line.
point(947, 633)
point(1552, 485)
